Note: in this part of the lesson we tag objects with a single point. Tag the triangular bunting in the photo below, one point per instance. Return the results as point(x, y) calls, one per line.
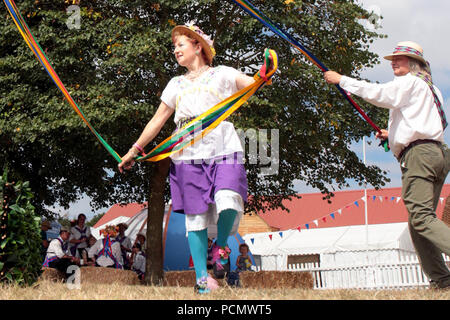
point(270, 236)
point(357, 204)
point(332, 215)
point(281, 234)
point(252, 240)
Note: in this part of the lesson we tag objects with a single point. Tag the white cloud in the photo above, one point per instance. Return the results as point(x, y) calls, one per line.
point(425, 22)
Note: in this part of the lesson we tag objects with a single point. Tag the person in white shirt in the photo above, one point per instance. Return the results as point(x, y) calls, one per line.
point(137, 261)
point(58, 257)
point(207, 179)
point(416, 137)
point(79, 235)
point(125, 244)
point(106, 251)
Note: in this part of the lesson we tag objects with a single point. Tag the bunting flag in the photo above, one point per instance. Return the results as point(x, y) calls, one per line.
point(188, 134)
point(307, 226)
point(261, 17)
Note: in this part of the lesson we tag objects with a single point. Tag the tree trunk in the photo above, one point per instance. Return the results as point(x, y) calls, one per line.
point(154, 274)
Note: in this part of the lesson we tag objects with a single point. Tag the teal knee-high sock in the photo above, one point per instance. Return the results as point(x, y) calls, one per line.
point(224, 226)
point(198, 244)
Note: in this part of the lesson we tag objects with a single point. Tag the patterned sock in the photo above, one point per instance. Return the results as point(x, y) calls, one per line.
point(198, 244)
point(224, 226)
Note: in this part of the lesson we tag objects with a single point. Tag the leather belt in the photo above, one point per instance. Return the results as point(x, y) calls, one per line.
point(415, 143)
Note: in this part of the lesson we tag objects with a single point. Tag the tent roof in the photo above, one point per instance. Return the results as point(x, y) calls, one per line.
point(120, 210)
point(386, 207)
point(328, 240)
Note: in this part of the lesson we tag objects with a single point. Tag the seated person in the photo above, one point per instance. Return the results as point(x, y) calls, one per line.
point(79, 235)
point(91, 242)
point(243, 261)
point(125, 244)
point(107, 251)
point(58, 256)
point(140, 238)
point(137, 261)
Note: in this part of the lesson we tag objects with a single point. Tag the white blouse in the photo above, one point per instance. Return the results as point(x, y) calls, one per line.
point(413, 114)
point(190, 98)
point(103, 260)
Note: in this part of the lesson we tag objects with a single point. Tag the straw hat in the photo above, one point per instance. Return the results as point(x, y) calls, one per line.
point(196, 33)
point(408, 48)
point(64, 229)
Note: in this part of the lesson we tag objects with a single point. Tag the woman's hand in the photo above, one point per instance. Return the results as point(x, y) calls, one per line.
point(332, 77)
point(128, 160)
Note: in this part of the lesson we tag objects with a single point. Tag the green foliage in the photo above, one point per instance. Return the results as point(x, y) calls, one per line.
point(94, 219)
point(20, 242)
point(117, 64)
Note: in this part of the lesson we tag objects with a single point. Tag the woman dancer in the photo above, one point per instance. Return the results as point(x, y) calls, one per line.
point(208, 179)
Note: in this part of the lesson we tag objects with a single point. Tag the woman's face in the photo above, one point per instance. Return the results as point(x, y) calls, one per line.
point(185, 50)
point(81, 220)
point(400, 65)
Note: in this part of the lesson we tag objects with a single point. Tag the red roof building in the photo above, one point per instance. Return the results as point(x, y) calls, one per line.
point(120, 210)
point(346, 208)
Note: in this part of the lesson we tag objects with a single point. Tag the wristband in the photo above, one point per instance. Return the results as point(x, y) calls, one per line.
point(139, 148)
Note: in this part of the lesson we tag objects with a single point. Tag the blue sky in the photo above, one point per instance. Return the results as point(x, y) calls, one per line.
point(425, 22)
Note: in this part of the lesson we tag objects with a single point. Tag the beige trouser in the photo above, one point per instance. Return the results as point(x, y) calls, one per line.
point(424, 169)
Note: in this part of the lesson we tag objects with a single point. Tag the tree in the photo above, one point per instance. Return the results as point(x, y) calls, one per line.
point(95, 219)
point(119, 61)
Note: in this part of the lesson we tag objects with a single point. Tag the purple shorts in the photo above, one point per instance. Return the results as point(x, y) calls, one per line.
point(193, 184)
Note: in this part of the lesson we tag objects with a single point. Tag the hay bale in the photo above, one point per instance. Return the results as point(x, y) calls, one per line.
point(277, 279)
point(52, 274)
point(185, 279)
point(259, 280)
point(95, 275)
point(108, 275)
point(179, 278)
point(446, 214)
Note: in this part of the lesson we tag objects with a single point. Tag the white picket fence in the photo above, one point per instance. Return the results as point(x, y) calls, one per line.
point(403, 274)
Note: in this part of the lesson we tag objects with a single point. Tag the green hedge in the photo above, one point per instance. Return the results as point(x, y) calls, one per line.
point(20, 241)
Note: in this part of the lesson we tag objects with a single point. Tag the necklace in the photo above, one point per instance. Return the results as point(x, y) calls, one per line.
point(191, 75)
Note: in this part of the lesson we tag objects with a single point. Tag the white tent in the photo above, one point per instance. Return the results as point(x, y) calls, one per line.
point(334, 245)
point(96, 231)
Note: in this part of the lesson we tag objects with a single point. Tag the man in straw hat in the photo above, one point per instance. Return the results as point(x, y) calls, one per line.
point(207, 179)
point(58, 255)
point(416, 137)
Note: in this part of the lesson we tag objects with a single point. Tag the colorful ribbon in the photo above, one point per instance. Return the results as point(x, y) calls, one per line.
point(202, 124)
point(207, 121)
point(40, 55)
point(254, 12)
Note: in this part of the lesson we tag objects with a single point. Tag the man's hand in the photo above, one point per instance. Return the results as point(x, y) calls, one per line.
point(332, 77)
